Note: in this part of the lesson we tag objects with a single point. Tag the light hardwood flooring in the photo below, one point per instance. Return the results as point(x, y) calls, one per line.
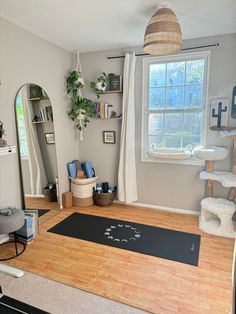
point(40, 203)
point(149, 283)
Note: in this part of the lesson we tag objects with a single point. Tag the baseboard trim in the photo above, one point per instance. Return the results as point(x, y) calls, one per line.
point(164, 208)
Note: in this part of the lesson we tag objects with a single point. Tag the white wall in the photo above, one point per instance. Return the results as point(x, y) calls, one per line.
point(26, 58)
point(168, 185)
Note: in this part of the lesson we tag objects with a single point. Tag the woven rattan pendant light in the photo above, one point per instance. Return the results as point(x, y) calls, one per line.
point(163, 33)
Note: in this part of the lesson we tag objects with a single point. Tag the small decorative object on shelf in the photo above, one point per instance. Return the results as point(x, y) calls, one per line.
point(219, 114)
point(109, 137)
point(37, 93)
point(114, 83)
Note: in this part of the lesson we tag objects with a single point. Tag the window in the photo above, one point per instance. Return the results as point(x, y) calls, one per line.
point(174, 92)
point(21, 127)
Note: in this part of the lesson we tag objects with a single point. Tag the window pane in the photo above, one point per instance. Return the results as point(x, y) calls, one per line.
point(175, 73)
point(189, 142)
point(173, 130)
point(155, 142)
point(21, 127)
point(172, 141)
point(194, 71)
point(192, 123)
point(155, 123)
point(173, 123)
point(157, 76)
point(193, 96)
point(156, 98)
point(174, 97)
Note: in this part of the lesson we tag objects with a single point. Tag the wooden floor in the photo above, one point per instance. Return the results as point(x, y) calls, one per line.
point(40, 203)
point(149, 283)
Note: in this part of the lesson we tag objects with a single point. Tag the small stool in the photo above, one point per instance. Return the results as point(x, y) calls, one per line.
point(10, 224)
point(216, 217)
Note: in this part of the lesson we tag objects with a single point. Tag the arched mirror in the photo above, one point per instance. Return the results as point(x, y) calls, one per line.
point(37, 150)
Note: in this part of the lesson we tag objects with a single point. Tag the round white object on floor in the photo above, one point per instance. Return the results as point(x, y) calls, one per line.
point(216, 217)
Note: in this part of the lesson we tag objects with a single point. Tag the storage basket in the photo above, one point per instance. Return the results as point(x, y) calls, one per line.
point(103, 199)
point(50, 195)
point(82, 190)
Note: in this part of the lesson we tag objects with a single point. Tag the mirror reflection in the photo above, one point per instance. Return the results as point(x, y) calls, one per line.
point(37, 150)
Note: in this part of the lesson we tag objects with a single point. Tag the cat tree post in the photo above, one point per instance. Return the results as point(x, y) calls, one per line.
point(210, 183)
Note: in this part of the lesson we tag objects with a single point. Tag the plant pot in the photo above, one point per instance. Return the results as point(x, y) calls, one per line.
point(101, 86)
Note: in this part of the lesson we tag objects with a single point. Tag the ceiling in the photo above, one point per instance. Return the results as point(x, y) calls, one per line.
point(91, 25)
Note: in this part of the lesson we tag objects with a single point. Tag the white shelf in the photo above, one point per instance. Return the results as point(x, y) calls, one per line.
point(7, 150)
point(39, 122)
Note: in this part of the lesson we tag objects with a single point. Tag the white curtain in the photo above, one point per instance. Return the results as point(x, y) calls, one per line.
point(127, 183)
point(38, 178)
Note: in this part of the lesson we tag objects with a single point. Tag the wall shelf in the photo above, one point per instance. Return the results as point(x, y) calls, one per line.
point(6, 150)
point(37, 98)
point(112, 92)
point(108, 118)
point(39, 122)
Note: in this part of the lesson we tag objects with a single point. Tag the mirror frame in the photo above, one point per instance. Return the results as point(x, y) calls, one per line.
point(22, 194)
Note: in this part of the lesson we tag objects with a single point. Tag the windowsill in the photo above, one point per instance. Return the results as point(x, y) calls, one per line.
point(191, 161)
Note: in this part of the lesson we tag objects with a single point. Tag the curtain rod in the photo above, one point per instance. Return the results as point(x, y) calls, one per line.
point(184, 49)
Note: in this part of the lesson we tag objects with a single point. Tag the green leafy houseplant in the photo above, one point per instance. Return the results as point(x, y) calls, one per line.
point(100, 85)
point(81, 108)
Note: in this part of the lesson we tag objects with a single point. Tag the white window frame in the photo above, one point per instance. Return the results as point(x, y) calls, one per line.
point(145, 110)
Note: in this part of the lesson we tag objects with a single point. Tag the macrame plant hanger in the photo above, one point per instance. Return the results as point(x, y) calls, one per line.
point(80, 118)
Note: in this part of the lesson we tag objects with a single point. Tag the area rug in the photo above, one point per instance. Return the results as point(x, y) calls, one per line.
point(41, 212)
point(9, 305)
point(169, 244)
point(58, 298)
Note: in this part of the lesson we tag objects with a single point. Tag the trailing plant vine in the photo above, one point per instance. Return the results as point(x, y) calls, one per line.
point(81, 108)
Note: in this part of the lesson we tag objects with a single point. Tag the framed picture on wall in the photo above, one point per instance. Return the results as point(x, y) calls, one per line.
point(35, 91)
point(50, 138)
point(109, 137)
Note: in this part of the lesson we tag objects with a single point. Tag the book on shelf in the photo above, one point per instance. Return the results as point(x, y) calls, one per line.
point(103, 110)
point(45, 115)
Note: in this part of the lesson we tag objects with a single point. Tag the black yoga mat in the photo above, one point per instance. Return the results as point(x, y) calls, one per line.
point(41, 212)
point(11, 306)
point(173, 245)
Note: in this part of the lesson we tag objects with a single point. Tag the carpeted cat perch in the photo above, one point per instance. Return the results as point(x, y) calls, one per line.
point(216, 217)
point(216, 213)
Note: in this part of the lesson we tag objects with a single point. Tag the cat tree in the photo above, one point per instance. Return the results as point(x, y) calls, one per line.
point(216, 213)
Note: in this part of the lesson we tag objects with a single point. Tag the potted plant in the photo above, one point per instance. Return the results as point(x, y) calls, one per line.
point(100, 85)
point(81, 108)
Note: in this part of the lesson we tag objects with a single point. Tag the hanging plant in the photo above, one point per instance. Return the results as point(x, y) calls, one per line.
point(81, 108)
point(100, 85)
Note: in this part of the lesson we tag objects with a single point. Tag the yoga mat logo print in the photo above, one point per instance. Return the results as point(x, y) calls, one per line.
point(122, 233)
